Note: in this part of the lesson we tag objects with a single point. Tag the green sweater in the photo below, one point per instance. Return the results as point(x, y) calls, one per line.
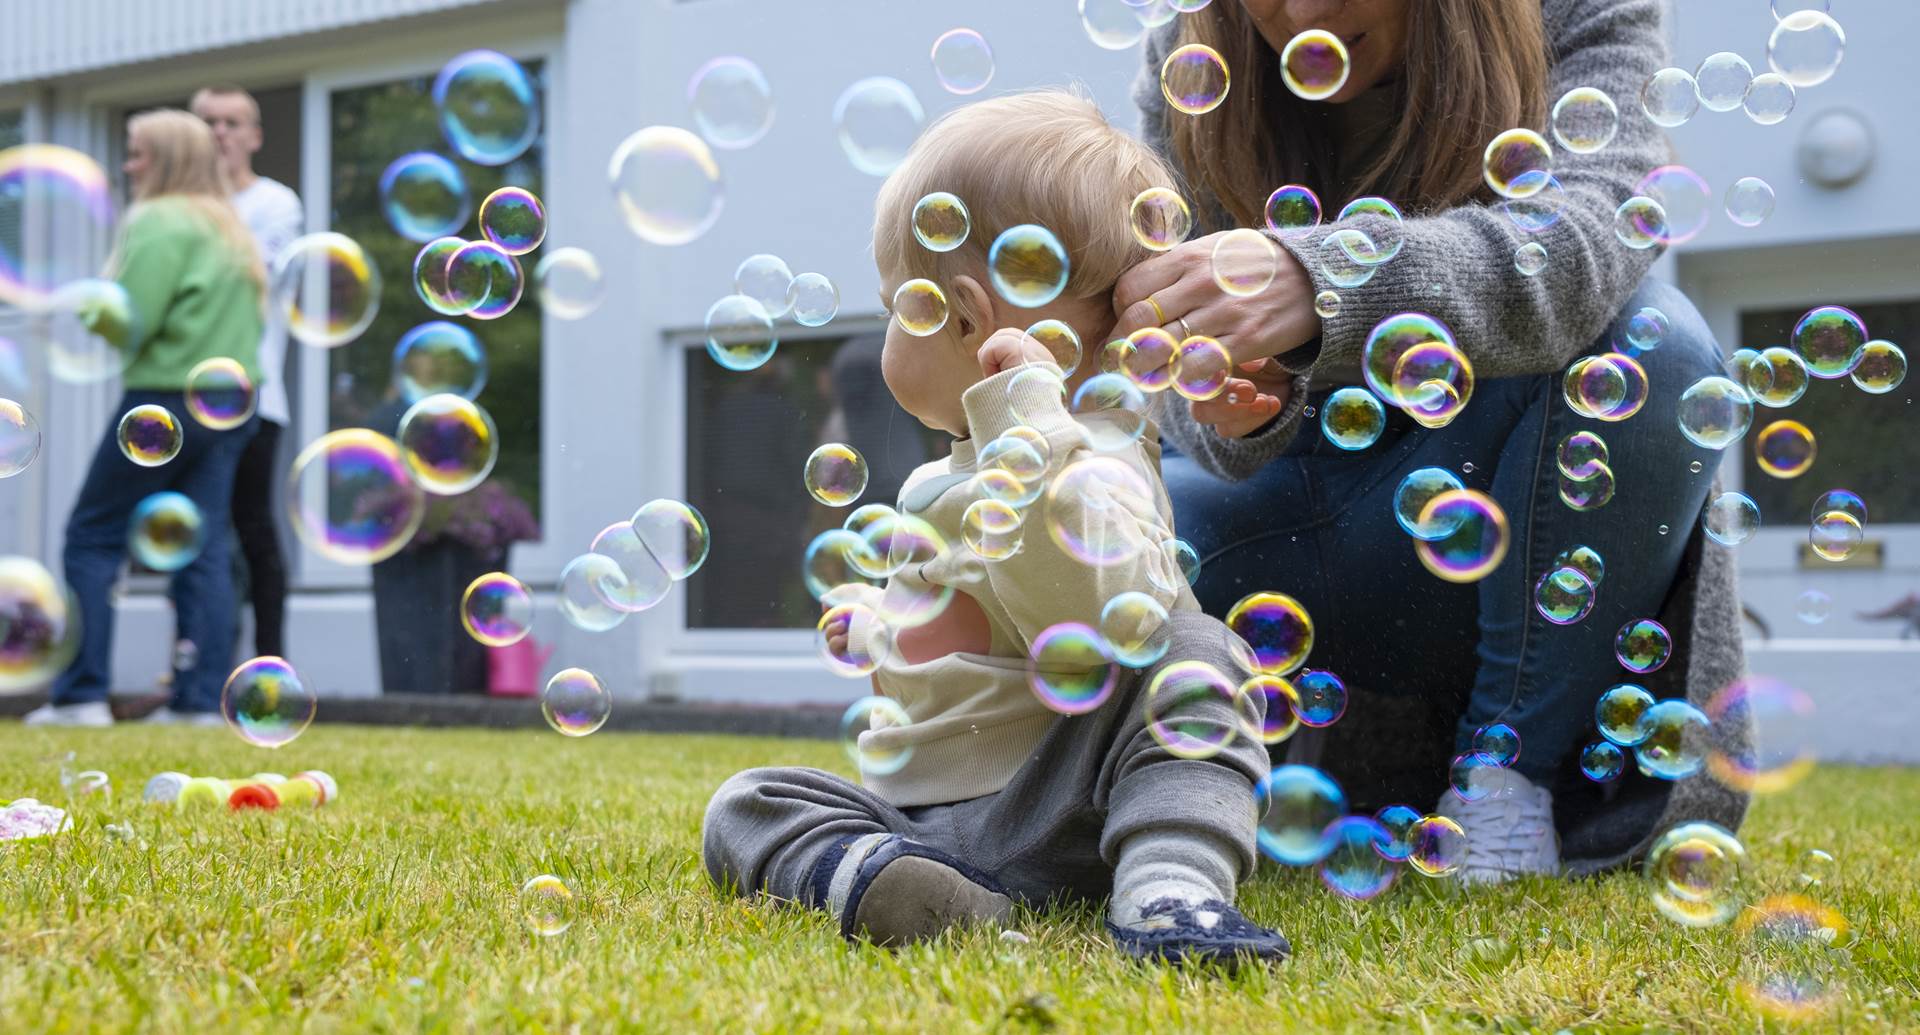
point(192, 297)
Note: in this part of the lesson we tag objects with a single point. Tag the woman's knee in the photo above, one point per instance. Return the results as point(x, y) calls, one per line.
point(1687, 342)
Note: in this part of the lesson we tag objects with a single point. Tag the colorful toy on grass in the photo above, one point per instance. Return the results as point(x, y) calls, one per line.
point(26, 819)
point(310, 789)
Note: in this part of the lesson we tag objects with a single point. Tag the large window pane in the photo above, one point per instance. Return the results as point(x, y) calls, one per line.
point(1865, 442)
point(371, 126)
point(748, 436)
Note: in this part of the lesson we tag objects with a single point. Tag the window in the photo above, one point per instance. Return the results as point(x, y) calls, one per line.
point(371, 126)
point(748, 435)
point(13, 132)
point(1864, 441)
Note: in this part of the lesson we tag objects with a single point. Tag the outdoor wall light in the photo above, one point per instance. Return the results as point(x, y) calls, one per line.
point(1836, 149)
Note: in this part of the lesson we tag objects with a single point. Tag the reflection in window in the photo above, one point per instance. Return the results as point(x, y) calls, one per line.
point(1865, 442)
point(748, 435)
point(13, 125)
point(371, 126)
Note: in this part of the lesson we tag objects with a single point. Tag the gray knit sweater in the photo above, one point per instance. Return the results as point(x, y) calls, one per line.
point(1458, 265)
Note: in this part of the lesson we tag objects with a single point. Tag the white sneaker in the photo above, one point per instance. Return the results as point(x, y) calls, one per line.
point(165, 716)
point(92, 714)
point(1510, 831)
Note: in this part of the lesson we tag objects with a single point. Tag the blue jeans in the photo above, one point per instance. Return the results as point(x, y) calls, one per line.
point(202, 592)
point(1318, 524)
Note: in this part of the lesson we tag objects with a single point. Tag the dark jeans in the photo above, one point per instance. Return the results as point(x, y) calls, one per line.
point(256, 488)
point(202, 592)
point(1319, 524)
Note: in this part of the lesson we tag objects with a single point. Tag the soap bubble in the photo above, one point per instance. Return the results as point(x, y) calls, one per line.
point(582, 602)
point(1722, 81)
point(1770, 99)
point(1714, 412)
point(767, 280)
point(326, 288)
point(1530, 259)
point(1327, 304)
point(1063, 344)
point(546, 904)
point(166, 532)
point(1352, 418)
point(1386, 232)
point(484, 280)
point(991, 528)
point(1694, 869)
point(1295, 805)
point(1563, 596)
point(1785, 449)
point(46, 185)
point(575, 703)
point(920, 307)
point(1670, 97)
point(1750, 201)
point(1293, 207)
point(1647, 329)
point(1841, 500)
point(148, 435)
point(1276, 701)
point(1589, 493)
point(1585, 120)
point(1640, 223)
point(514, 219)
point(836, 474)
point(1194, 79)
point(1160, 218)
point(1416, 490)
point(643, 580)
point(1683, 196)
point(1112, 410)
point(570, 283)
point(39, 625)
point(1179, 690)
point(1499, 742)
point(1272, 633)
point(1321, 698)
point(1602, 761)
point(91, 329)
point(1828, 338)
point(489, 111)
point(731, 101)
point(1085, 498)
point(1516, 163)
point(1315, 65)
point(1621, 714)
point(877, 120)
point(266, 703)
point(1070, 668)
point(1149, 362)
point(1134, 625)
point(667, 184)
point(497, 609)
point(1780, 754)
point(1028, 266)
point(1731, 518)
point(351, 499)
point(1348, 258)
point(1676, 741)
point(1389, 344)
point(813, 300)
point(1642, 645)
point(1834, 535)
point(1539, 212)
point(439, 357)
point(430, 279)
point(1112, 24)
point(1437, 846)
point(1201, 367)
point(1471, 775)
point(1478, 542)
point(962, 61)
point(450, 444)
point(740, 334)
point(1398, 821)
point(1581, 455)
point(1356, 865)
point(1879, 367)
point(424, 196)
point(1611, 387)
point(675, 533)
point(941, 222)
point(1806, 48)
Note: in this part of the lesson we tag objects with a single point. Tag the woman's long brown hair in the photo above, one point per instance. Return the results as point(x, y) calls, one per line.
point(1474, 69)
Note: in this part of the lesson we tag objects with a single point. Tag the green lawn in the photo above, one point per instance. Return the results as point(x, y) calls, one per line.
point(395, 909)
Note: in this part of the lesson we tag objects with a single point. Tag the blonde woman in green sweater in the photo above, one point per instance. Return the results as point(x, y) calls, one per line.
point(196, 288)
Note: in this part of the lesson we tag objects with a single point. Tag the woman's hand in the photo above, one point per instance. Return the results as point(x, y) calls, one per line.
point(1247, 403)
point(1180, 283)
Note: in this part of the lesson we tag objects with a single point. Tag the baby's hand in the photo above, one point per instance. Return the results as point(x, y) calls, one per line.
point(1010, 347)
point(836, 633)
point(1245, 404)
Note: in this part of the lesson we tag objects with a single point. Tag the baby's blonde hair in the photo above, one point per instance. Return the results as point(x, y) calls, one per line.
point(1047, 157)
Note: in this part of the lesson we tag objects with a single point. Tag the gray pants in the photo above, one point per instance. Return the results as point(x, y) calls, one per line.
point(1054, 830)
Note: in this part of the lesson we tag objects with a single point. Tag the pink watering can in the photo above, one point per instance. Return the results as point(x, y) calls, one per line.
point(514, 670)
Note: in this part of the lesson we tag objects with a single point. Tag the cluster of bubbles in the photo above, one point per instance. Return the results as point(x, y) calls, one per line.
point(1303, 821)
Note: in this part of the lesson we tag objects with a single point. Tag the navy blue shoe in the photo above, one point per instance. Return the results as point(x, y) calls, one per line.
point(1177, 931)
point(903, 891)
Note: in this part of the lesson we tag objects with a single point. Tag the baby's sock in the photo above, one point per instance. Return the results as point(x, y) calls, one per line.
point(1157, 864)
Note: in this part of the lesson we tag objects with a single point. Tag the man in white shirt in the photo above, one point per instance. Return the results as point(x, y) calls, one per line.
point(275, 215)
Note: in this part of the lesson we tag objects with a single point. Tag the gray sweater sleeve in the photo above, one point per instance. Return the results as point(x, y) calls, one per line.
point(1458, 265)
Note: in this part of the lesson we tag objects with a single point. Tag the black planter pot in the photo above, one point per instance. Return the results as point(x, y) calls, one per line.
point(416, 606)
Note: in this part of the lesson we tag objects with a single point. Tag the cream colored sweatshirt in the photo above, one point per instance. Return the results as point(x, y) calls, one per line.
point(975, 719)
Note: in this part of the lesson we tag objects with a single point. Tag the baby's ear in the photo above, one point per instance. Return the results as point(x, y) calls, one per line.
point(972, 309)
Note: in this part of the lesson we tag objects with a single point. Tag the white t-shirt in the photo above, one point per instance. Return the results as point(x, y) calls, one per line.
point(274, 214)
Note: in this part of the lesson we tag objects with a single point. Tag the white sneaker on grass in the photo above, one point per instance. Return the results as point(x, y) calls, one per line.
point(166, 716)
point(91, 713)
point(1510, 831)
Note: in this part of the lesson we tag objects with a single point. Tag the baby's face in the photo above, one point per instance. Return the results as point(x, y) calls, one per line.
point(927, 375)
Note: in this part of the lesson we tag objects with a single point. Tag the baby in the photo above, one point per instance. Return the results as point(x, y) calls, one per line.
point(1073, 781)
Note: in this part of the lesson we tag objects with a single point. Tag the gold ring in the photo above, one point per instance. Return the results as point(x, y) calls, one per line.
point(1185, 331)
point(1159, 314)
